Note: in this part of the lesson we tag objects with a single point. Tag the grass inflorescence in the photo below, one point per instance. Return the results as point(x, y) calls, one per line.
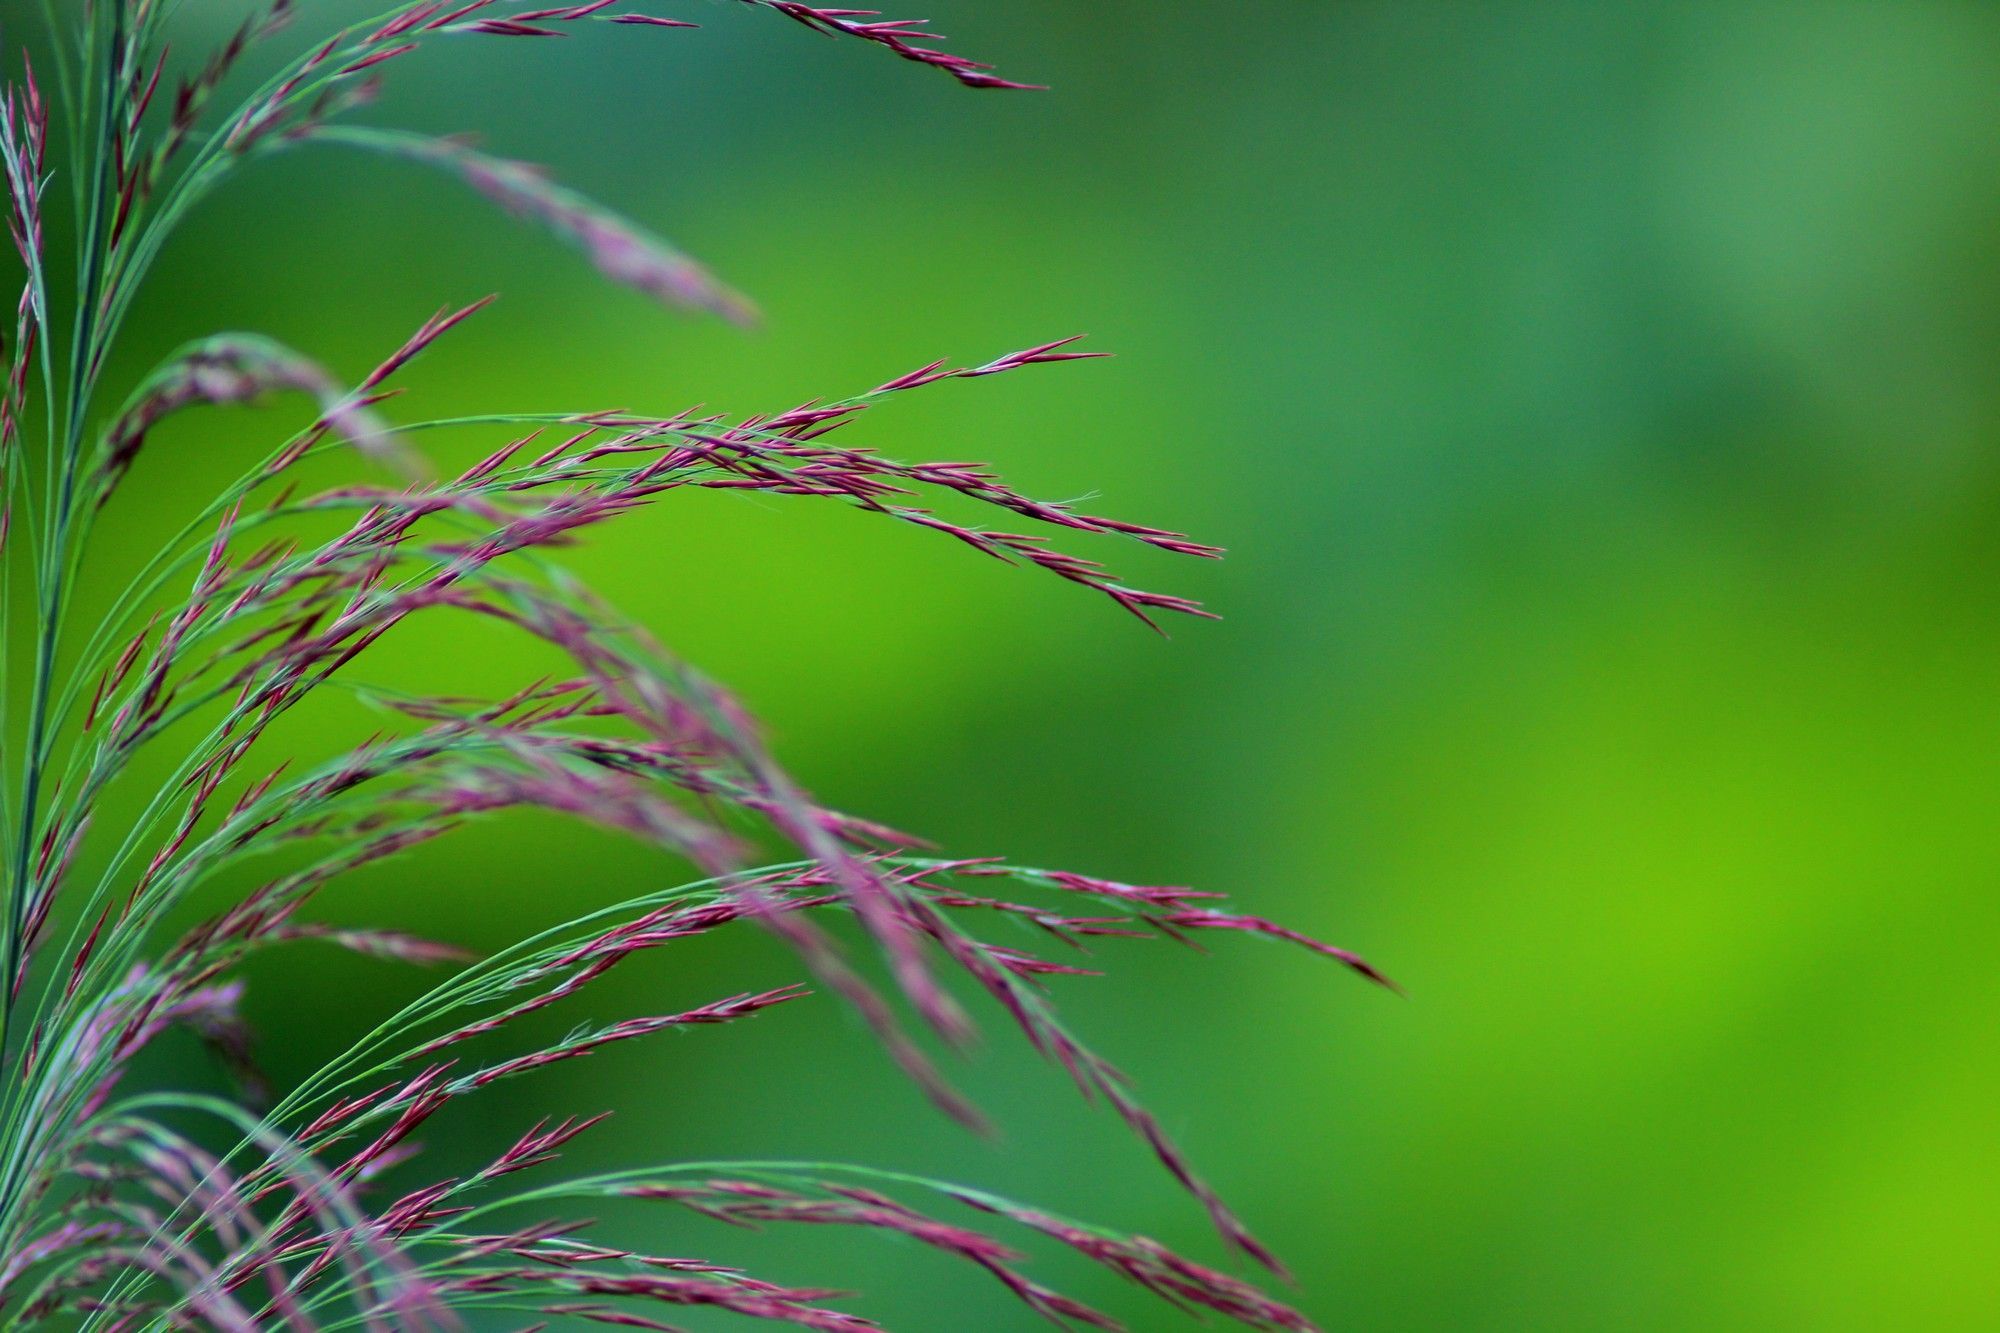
point(125, 1205)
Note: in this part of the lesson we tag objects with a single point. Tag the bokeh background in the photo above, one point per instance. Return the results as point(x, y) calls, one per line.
point(1600, 403)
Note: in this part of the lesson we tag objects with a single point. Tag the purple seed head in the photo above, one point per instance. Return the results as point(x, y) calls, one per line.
point(216, 1201)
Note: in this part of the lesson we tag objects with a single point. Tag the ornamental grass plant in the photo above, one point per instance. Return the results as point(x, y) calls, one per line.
point(128, 1202)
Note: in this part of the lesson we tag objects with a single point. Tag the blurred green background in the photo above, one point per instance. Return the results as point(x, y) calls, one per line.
point(1600, 403)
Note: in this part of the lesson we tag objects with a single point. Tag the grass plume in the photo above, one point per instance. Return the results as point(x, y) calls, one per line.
point(125, 1207)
